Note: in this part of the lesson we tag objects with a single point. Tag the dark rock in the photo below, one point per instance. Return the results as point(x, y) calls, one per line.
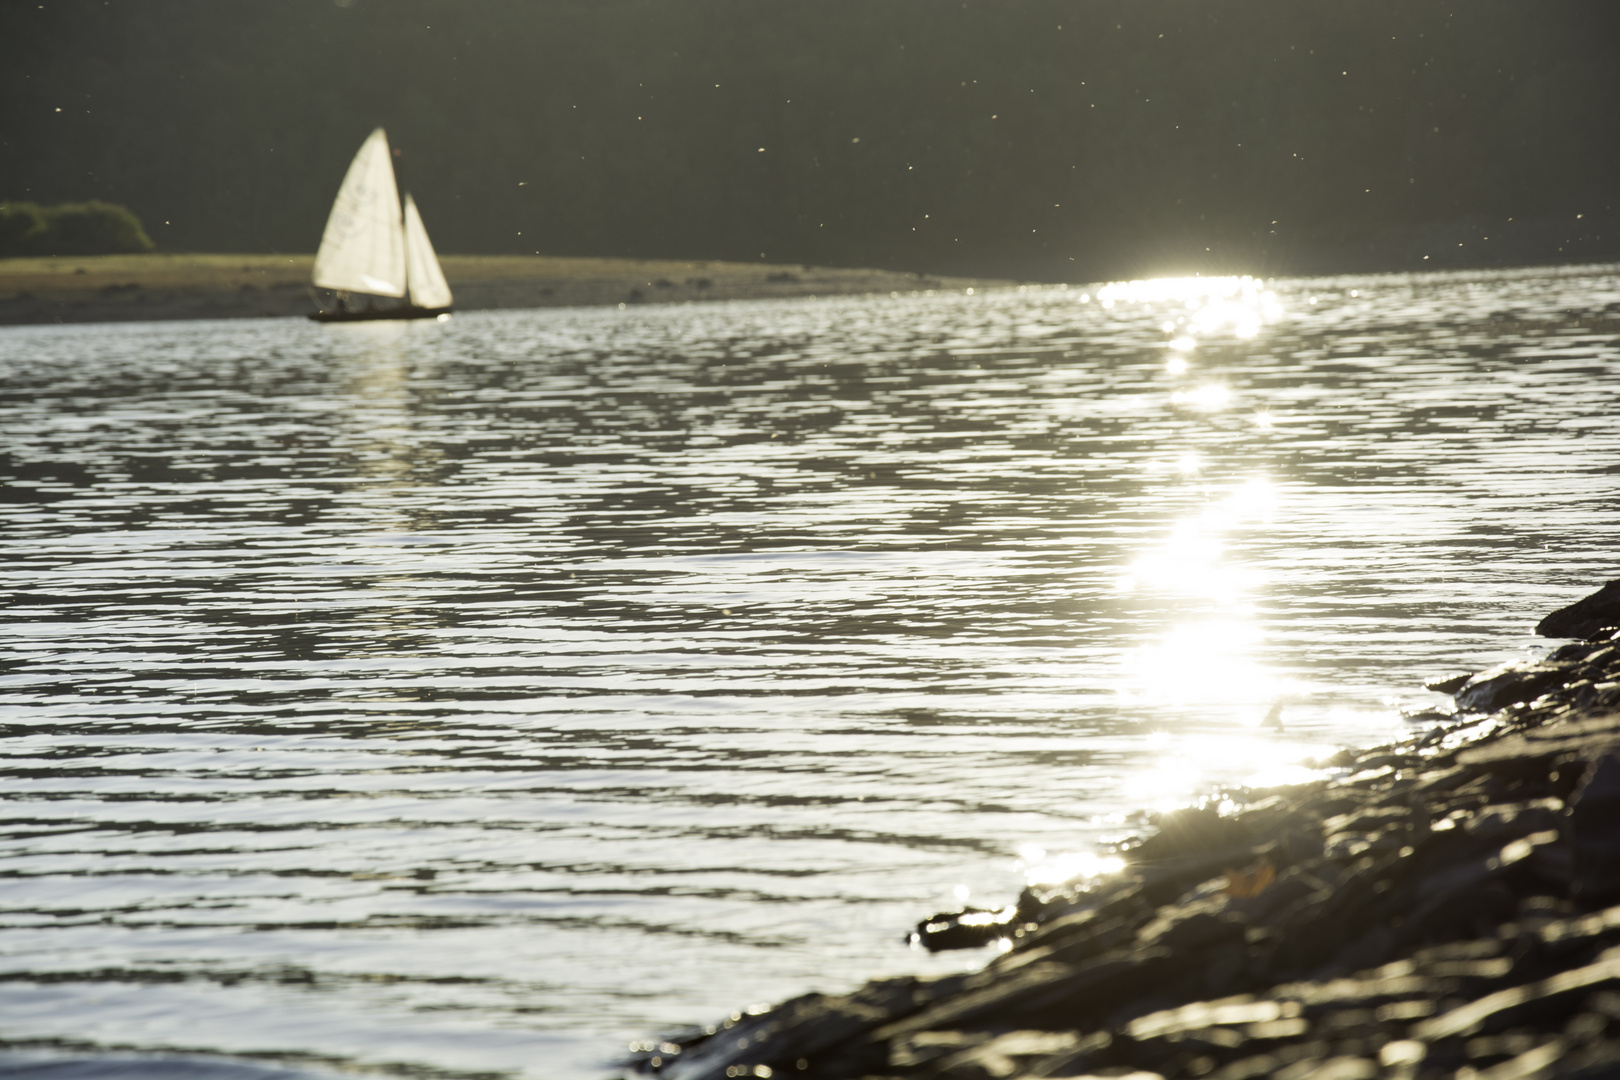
point(1580, 737)
point(1294, 887)
point(1425, 912)
point(1508, 685)
point(930, 1046)
point(1200, 929)
point(1595, 829)
point(1077, 946)
point(1375, 762)
point(1367, 820)
point(1449, 685)
point(1028, 991)
point(1442, 780)
point(1003, 1056)
point(966, 929)
point(1190, 832)
point(1504, 1008)
point(1502, 822)
point(1588, 651)
point(801, 1028)
point(1585, 617)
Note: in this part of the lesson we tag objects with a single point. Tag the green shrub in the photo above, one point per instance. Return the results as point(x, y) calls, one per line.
point(20, 223)
point(87, 228)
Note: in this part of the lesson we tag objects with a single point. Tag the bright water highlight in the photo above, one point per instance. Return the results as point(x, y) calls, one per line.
point(475, 698)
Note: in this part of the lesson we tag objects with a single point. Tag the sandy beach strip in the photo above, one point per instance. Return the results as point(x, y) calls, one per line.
point(115, 288)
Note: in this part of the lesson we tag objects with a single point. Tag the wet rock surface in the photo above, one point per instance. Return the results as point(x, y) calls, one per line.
point(1586, 616)
point(1445, 906)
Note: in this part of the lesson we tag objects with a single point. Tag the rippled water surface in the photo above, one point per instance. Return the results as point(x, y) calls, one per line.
point(476, 697)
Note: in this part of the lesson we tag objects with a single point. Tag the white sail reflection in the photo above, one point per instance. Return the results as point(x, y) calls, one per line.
point(380, 433)
point(397, 551)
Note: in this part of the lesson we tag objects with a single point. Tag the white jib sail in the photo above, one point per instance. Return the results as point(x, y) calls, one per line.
point(426, 277)
point(363, 247)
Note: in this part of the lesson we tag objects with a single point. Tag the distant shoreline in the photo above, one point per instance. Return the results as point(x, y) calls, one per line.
point(120, 288)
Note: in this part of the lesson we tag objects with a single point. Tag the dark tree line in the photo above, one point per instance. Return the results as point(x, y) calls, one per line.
point(87, 228)
point(1033, 138)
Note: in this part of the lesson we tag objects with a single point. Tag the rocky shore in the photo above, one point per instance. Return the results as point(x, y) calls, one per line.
point(1443, 906)
point(119, 288)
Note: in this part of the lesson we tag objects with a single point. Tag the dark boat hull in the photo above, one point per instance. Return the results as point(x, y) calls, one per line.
point(370, 314)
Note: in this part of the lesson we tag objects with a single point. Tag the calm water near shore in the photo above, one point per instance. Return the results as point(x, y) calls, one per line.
point(473, 698)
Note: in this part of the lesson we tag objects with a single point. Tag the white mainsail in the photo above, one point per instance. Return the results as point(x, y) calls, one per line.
point(426, 279)
point(363, 247)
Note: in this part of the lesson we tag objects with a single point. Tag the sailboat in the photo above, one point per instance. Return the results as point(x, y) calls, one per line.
point(374, 248)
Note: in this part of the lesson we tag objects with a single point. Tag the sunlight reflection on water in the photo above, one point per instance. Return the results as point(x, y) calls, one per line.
point(483, 695)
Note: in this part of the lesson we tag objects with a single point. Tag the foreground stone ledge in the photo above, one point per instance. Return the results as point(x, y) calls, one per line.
point(1443, 906)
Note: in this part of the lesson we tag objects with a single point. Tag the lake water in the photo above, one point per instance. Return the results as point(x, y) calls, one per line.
point(474, 698)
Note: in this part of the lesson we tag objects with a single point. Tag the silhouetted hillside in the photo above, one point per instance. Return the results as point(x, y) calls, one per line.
point(1037, 139)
